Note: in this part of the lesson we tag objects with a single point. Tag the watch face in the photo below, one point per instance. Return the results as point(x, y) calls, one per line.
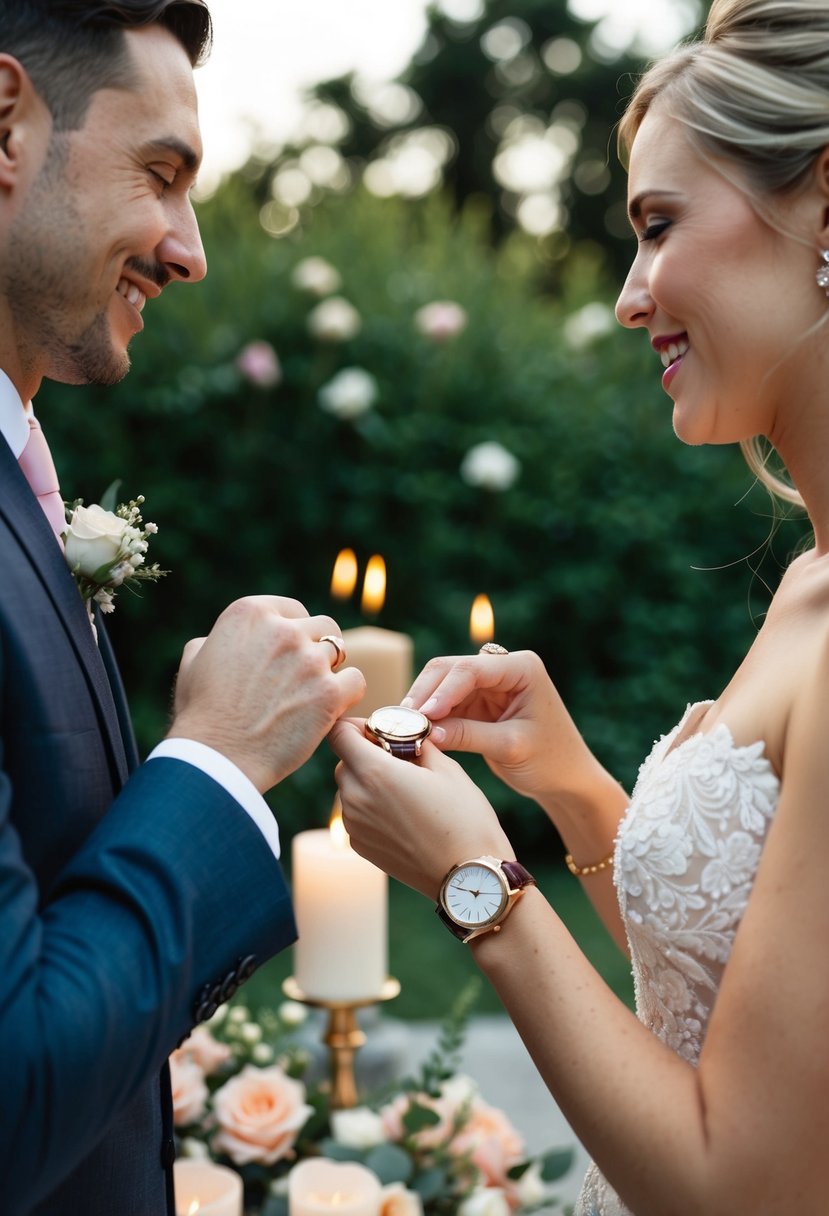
point(399, 724)
point(474, 895)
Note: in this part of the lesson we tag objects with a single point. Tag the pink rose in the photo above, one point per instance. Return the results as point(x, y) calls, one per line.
point(260, 1112)
point(189, 1089)
point(440, 320)
point(259, 363)
point(491, 1141)
point(207, 1052)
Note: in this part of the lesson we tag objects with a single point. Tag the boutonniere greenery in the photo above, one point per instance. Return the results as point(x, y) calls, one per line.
point(106, 547)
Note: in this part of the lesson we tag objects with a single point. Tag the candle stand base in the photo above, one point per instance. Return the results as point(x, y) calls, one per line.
point(343, 1036)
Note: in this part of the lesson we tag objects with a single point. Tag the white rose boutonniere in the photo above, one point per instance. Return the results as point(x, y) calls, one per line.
point(105, 549)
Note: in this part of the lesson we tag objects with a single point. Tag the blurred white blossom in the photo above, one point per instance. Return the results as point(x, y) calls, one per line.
point(292, 1013)
point(490, 466)
point(349, 394)
point(334, 320)
point(590, 322)
point(316, 275)
point(485, 1201)
point(358, 1128)
point(440, 320)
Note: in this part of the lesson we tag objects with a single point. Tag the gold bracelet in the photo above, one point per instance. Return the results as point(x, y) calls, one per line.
point(596, 868)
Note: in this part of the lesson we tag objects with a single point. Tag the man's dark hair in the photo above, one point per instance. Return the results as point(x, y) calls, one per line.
point(73, 48)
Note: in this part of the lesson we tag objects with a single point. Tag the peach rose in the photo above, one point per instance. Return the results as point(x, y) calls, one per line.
point(189, 1089)
point(260, 1112)
point(207, 1052)
point(396, 1200)
point(491, 1141)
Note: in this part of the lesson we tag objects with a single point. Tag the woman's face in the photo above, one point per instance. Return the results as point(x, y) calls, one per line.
point(726, 297)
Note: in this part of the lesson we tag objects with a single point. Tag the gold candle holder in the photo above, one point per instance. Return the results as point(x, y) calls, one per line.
point(343, 1036)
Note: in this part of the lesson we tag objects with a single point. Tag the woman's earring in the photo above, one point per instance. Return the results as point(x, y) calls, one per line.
point(822, 276)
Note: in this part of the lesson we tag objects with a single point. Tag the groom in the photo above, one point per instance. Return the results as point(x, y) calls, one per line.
point(133, 898)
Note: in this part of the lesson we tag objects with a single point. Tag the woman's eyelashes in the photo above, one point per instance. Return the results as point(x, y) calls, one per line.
point(653, 230)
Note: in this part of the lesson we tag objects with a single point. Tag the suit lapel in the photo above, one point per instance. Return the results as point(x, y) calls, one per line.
point(21, 510)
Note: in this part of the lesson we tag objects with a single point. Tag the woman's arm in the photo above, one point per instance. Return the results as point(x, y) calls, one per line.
point(746, 1130)
point(506, 708)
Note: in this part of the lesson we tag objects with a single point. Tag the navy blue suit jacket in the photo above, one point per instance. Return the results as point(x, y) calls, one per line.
point(132, 899)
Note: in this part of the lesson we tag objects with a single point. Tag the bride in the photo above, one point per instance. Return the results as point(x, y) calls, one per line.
point(713, 1098)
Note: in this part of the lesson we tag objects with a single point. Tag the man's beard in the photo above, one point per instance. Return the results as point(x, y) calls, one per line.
point(44, 279)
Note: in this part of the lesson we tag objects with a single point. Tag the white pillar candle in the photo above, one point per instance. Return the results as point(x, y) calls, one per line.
point(340, 901)
point(319, 1187)
point(385, 659)
point(205, 1189)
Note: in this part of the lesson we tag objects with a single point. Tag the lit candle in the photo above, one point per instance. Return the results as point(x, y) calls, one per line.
point(481, 621)
point(374, 586)
point(319, 1187)
point(383, 656)
point(344, 577)
point(340, 901)
point(206, 1189)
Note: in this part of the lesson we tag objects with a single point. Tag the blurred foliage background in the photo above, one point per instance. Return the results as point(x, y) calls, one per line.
point(638, 568)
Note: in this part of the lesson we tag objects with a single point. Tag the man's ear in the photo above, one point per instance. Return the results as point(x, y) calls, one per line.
point(21, 116)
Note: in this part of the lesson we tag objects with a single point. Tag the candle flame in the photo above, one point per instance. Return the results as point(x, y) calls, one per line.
point(481, 621)
point(344, 578)
point(336, 827)
point(334, 1199)
point(374, 586)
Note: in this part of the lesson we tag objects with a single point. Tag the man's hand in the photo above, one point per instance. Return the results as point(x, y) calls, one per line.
point(260, 689)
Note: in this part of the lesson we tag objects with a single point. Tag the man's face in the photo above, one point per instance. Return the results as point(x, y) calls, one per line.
point(107, 221)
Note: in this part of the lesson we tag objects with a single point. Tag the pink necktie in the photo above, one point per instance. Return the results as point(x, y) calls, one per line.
point(39, 470)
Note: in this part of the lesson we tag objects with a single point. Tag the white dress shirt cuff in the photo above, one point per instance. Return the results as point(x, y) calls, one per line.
point(231, 778)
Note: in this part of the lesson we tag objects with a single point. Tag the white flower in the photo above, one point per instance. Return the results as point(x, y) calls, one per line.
point(250, 1032)
point(95, 539)
point(262, 1053)
point(358, 1128)
point(440, 320)
point(349, 394)
point(334, 320)
point(291, 1013)
point(259, 363)
point(104, 548)
point(531, 1189)
point(219, 1016)
point(239, 1013)
point(485, 1201)
point(396, 1200)
point(195, 1149)
point(460, 1090)
point(316, 275)
point(490, 466)
point(591, 322)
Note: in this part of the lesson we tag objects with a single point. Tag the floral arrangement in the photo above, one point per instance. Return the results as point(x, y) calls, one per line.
point(107, 547)
point(437, 1148)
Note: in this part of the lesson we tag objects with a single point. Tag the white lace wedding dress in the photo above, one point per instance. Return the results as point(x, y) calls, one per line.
point(686, 856)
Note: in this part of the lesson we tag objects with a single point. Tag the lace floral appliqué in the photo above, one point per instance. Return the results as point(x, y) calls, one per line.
point(686, 857)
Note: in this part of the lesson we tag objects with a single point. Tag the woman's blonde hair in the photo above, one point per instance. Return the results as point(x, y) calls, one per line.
point(754, 91)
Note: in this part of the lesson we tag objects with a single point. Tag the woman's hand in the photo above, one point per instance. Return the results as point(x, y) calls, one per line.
point(412, 819)
point(506, 708)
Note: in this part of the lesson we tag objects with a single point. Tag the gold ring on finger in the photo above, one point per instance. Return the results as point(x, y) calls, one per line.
point(339, 648)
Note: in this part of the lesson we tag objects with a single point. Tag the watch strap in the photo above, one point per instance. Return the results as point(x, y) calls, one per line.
point(405, 751)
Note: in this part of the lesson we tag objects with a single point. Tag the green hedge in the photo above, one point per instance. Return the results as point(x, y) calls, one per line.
point(618, 554)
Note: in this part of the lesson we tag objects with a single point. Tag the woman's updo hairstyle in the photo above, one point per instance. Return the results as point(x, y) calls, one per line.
point(753, 91)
